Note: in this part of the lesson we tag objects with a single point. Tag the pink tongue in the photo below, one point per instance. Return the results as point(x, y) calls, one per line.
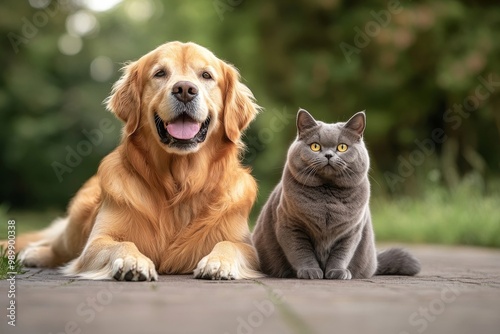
point(183, 128)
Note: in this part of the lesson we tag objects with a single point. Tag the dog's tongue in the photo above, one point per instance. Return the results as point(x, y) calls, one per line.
point(183, 127)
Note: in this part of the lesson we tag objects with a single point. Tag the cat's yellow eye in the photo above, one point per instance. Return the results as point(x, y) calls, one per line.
point(342, 147)
point(315, 147)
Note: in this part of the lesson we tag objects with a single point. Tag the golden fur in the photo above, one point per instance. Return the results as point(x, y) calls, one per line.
point(152, 208)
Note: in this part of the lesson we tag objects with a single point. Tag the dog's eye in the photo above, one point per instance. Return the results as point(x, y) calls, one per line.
point(160, 74)
point(206, 75)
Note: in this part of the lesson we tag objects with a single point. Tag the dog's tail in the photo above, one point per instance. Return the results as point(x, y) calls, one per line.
point(397, 261)
point(38, 237)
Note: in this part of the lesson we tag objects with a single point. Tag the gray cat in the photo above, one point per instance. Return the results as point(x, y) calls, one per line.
point(316, 223)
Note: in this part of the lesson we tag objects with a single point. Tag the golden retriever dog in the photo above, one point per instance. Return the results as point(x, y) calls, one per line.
point(173, 197)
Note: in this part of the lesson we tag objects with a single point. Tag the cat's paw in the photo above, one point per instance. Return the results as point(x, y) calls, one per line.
point(310, 273)
point(338, 274)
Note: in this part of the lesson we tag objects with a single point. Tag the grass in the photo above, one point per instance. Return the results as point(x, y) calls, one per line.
point(26, 220)
point(463, 217)
point(5, 267)
point(440, 217)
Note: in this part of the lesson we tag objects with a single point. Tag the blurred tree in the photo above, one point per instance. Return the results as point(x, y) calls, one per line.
point(408, 64)
point(415, 67)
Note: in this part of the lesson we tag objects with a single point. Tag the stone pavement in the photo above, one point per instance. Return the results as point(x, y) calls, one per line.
point(458, 291)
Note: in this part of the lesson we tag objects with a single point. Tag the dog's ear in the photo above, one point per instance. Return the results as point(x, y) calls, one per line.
point(125, 98)
point(239, 105)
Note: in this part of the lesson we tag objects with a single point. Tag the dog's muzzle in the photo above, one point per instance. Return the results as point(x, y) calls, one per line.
point(183, 132)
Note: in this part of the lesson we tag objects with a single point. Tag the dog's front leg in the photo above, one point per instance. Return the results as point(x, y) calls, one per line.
point(108, 254)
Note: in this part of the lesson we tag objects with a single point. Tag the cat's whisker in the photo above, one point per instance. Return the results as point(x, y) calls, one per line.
point(345, 169)
point(373, 179)
point(313, 169)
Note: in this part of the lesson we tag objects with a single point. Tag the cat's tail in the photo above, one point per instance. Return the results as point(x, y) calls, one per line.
point(397, 261)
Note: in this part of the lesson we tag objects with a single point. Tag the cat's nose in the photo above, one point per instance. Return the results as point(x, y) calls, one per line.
point(328, 156)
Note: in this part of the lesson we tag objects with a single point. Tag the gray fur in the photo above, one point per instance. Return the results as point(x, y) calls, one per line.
point(397, 261)
point(316, 223)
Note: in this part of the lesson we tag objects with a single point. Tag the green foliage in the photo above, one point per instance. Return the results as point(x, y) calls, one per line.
point(425, 60)
point(422, 60)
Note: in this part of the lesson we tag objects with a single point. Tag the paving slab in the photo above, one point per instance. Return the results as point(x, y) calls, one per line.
point(458, 291)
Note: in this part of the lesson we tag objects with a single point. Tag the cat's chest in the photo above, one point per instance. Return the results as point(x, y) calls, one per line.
point(329, 208)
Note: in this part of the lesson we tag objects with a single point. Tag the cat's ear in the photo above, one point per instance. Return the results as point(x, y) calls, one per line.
point(305, 121)
point(357, 123)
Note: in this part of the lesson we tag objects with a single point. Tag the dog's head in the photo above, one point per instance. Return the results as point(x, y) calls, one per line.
point(183, 95)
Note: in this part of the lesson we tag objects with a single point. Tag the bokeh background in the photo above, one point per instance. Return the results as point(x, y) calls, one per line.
point(427, 73)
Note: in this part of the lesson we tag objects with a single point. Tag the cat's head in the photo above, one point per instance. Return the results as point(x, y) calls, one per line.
point(329, 153)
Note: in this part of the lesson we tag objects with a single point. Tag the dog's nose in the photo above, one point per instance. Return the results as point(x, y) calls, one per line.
point(185, 91)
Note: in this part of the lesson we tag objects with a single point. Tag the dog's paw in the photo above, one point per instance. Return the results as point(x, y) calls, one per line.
point(37, 256)
point(310, 273)
point(216, 268)
point(338, 274)
point(228, 261)
point(132, 268)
